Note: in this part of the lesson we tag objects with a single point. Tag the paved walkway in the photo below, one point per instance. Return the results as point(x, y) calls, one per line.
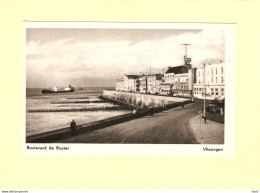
point(209, 133)
point(167, 127)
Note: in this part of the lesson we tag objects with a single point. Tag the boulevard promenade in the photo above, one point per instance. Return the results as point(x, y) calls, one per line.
point(209, 133)
point(168, 127)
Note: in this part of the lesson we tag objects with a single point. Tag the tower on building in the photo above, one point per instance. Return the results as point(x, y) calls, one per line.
point(187, 61)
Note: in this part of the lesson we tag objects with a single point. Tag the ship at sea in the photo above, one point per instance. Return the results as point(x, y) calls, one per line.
point(58, 90)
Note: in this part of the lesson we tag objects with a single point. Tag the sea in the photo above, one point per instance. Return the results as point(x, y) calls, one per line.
point(47, 121)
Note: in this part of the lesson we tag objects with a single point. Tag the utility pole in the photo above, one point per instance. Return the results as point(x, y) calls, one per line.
point(204, 110)
point(150, 68)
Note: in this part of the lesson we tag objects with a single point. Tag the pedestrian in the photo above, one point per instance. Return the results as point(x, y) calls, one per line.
point(137, 112)
point(134, 113)
point(204, 117)
point(73, 127)
point(221, 112)
point(182, 104)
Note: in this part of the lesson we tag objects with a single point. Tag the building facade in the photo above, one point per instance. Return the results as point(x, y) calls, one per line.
point(131, 83)
point(165, 88)
point(214, 81)
point(143, 83)
point(150, 83)
point(120, 85)
point(180, 79)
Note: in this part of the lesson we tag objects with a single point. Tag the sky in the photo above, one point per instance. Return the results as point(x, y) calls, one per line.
point(97, 57)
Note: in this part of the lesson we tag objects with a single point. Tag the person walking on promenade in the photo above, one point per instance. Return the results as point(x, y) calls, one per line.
point(204, 117)
point(182, 104)
point(134, 113)
point(137, 112)
point(151, 111)
point(73, 127)
point(221, 112)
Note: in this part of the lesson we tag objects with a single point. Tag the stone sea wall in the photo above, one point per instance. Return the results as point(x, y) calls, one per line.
point(141, 100)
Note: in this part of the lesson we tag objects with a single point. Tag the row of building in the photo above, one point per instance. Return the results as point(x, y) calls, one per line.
point(179, 81)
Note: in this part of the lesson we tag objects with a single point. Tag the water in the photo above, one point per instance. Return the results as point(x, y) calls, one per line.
point(42, 122)
point(86, 90)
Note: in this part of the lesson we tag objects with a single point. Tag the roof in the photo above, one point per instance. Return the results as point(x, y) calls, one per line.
point(152, 75)
point(119, 80)
point(166, 84)
point(159, 76)
point(132, 76)
point(177, 70)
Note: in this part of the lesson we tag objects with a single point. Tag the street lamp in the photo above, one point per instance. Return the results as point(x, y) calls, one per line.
point(204, 110)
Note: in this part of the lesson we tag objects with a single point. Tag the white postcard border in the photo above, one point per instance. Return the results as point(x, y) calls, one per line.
point(227, 149)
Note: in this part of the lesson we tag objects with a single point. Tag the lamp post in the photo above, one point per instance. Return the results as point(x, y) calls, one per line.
point(204, 109)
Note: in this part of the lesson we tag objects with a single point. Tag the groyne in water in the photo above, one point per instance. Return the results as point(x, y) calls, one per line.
point(78, 109)
point(77, 102)
point(78, 98)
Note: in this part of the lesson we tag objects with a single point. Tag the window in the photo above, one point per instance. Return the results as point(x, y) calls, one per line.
point(216, 71)
point(222, 79)
point(212, 71)
point(211, 79)
point(216, 90)
point(222, 91)
point(212, 91)
point(222, 70)
point(216, 79)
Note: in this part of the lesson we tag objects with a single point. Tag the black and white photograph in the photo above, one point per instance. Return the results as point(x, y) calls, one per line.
point(119, 84)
